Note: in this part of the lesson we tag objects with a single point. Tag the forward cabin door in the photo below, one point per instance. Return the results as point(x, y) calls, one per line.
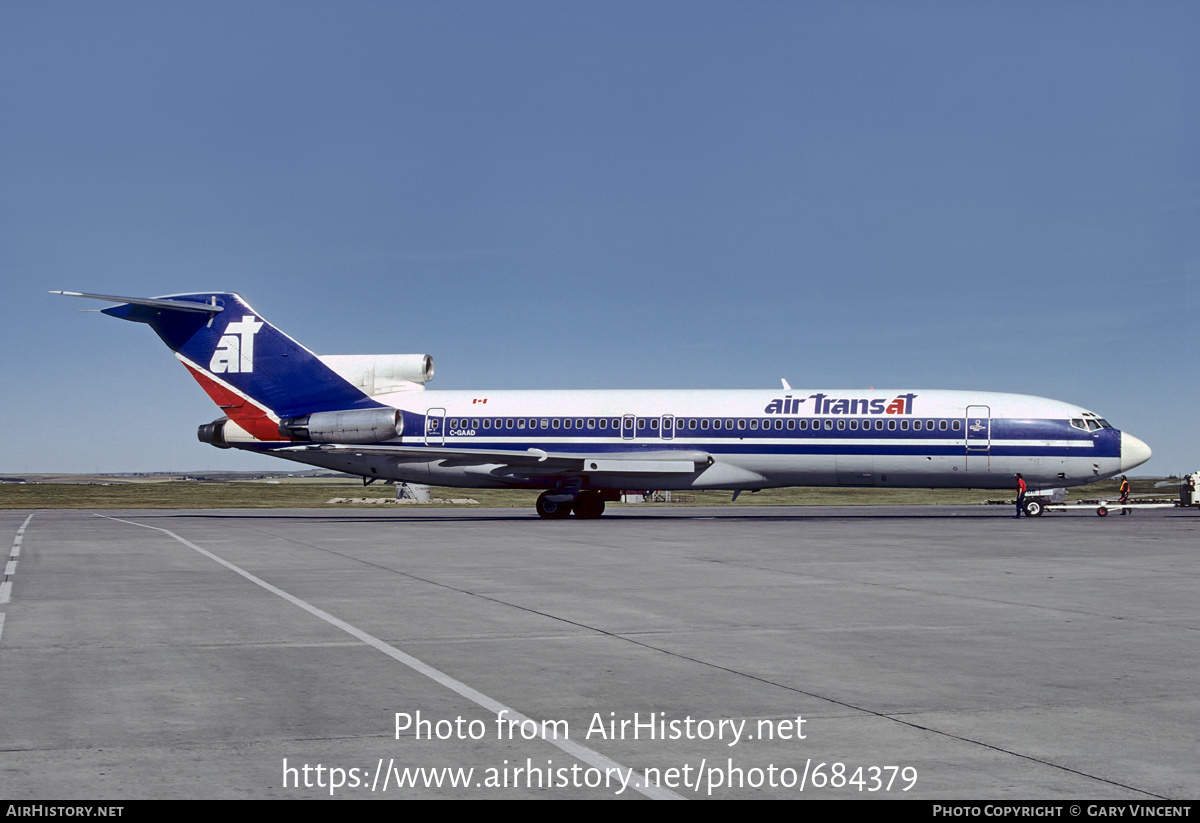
point(979, 438)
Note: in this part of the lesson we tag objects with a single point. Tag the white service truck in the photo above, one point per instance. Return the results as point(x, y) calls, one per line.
point(1054, 500)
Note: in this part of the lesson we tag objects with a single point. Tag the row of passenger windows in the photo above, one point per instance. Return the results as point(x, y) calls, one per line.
point(651, 424)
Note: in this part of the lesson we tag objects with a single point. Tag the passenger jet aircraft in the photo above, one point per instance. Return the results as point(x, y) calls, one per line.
point(370, 415)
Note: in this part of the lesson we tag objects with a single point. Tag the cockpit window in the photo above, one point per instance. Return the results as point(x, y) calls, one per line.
point(1104, 424)
point(1078, 423)
point(1092, 424)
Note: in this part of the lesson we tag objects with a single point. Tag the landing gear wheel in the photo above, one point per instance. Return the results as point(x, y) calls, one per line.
point(551, 510)
point(1103, 512)
point(588, 505)
point(1034, 508)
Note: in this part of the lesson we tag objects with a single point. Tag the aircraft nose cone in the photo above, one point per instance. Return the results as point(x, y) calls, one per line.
point(1133, 452)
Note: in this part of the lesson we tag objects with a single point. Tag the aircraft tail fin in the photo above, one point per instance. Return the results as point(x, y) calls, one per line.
point(252, 370)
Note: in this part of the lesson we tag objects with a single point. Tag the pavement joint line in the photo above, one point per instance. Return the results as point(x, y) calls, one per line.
point(580, 752)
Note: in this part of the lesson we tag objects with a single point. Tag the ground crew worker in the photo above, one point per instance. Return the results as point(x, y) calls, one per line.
point(1124, 493)
point(1020, 494)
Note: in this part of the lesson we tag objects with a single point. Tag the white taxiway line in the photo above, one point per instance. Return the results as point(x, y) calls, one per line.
point(11, 568)
point(589, 756)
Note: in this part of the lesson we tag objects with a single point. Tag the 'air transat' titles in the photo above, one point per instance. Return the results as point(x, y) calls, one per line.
point(824, 404)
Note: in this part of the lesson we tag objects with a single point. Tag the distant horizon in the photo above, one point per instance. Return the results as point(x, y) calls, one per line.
point(4, 474)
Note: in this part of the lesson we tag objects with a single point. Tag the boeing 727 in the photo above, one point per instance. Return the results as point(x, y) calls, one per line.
point(371, 415)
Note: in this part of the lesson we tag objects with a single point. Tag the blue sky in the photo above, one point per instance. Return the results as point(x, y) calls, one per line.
point(1000, 196)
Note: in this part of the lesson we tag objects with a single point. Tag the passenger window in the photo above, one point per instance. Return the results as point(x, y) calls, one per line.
point(729, 424)
point(554, 423)
point(841, 425)
point(475, 423)
point(545, 422)
point(957, 425)
point(791, 425)
point(878, 425)
point(521, 423)
point(703, 424)
point(741, 425)
point(941, 425)
point(853, 425)
point(916, 425)
point(603, 423)
point(891, 425)
point(754, 425)
point(487, 422)
point(654, 423)
point(828, 425)
point(779, 424)
point(803, 425)
point(904, 425)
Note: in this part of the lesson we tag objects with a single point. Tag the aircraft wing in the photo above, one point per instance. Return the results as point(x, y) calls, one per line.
point(683, 461)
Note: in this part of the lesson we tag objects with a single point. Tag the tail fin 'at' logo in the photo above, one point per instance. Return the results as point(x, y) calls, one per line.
point(235, 350)
point(253, 371)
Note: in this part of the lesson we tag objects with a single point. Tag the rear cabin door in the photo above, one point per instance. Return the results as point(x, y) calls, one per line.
point(435, 427)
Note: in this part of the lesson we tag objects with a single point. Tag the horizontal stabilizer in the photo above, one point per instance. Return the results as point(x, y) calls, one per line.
point(153, 302)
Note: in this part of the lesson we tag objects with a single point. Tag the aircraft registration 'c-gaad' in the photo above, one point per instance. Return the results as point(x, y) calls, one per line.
point(370, 415)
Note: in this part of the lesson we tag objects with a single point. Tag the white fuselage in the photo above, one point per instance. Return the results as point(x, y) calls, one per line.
point(756, 439)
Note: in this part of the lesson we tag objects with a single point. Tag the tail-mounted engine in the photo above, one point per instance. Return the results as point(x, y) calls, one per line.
point(377, 374)
point(214, 433)
point(358, 426)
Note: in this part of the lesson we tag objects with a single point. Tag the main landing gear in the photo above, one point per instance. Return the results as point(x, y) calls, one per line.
point(587, 505)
